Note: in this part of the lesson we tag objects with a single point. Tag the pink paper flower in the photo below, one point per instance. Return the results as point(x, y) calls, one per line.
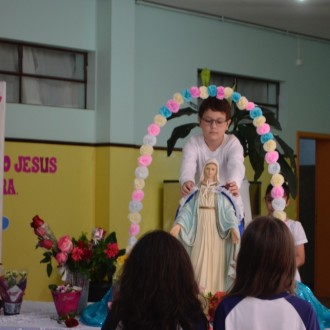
point(194, 91)
point(134, 229)
point(145, 160)
point(271, 157)
point(250, 106)
point(277, 192)
point(220, 92)
point(172, 105)
point(137, 195)
point(61, 258)
point(263, 129)
point(153, 129)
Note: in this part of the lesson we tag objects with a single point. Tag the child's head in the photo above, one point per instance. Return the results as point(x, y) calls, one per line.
point(266, 261)
point(269, 198)
point(216, 105)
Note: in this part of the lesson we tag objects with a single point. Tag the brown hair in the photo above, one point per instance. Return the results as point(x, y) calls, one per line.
point(214, 104)
point(157, 289)
point(266, 262)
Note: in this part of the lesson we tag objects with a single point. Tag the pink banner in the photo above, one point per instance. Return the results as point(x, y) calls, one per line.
point(2, 144)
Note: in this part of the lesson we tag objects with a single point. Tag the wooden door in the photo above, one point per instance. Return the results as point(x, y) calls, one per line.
point(322, 218)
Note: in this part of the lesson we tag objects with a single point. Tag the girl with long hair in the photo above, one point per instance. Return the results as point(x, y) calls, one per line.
point(157, 289)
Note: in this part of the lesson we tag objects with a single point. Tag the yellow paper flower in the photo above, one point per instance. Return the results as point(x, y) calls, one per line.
point(280, 215)
point(146, 149)
point(139, 183)
point(228, 92)
point(160, 120)
point(242, 102)
point(178, 98)
point(204, 94)
point(134, 217)
point(257, 122)
point(270, 145)
point(277, 180)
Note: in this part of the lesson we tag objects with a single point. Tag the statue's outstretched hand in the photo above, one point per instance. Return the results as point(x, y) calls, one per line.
point(235, 236)
point(175, 230)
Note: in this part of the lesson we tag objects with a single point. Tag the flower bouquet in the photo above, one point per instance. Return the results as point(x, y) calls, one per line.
point(12, 289)
point(95, 257)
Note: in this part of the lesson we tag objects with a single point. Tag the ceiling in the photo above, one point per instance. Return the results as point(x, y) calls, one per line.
point(310, 18)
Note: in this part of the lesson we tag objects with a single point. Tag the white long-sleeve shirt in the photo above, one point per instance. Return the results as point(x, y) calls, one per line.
point(229, 154)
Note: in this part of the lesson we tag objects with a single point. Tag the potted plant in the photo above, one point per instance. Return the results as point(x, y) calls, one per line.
point(242, 127)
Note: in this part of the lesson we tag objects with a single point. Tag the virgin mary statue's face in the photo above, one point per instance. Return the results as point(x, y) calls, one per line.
point(210, 172)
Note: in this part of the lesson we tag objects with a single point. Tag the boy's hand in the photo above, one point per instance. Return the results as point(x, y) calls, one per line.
point(233, 188)
point(187, 187)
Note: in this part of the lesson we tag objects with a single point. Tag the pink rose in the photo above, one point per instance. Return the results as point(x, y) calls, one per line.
point(65, 244)
point(153, 129)
point(194, 92)
point(137, 195)
point(98, 233)
point(46, 243)
point(61, 258)
point(145, 160)
point(172, 105)
point(271, 157)
point(220, 92)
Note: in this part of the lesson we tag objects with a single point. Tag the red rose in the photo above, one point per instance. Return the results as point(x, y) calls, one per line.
point(112, 250)
point(36, 222)
point(46, 243)
point(71, 322)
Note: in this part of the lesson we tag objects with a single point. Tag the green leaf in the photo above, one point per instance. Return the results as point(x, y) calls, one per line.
point(111, 238)
point(287, 152)
point(289, 175)
point(205, 76)
point(179, 132)
point(49, 269)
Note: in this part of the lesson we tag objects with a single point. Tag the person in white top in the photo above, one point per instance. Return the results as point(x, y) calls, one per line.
point(214, 120)
point(297, 230)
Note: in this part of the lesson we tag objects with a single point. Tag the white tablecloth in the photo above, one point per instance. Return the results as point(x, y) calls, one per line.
point(36, 316)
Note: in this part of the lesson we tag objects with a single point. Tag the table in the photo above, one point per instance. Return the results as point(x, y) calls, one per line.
point(36, 315)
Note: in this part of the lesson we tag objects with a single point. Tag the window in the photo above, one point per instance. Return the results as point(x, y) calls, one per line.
point(44, 75)
point(264, 93)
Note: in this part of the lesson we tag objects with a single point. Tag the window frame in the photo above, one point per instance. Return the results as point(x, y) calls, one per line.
point(20, 74)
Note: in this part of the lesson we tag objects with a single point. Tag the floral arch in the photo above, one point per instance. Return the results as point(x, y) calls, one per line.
point(172, 106)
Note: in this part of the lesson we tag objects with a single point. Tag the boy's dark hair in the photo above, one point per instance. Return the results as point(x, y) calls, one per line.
point(285, 188)
point(266, 263)
point(215, 105)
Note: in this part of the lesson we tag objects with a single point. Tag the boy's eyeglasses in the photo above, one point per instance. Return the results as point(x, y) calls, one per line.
point(217, 122)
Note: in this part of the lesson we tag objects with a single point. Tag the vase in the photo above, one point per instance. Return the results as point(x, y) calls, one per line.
point(97, 290)
point(66, 303)
point(79, 279)
point(12, 295)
